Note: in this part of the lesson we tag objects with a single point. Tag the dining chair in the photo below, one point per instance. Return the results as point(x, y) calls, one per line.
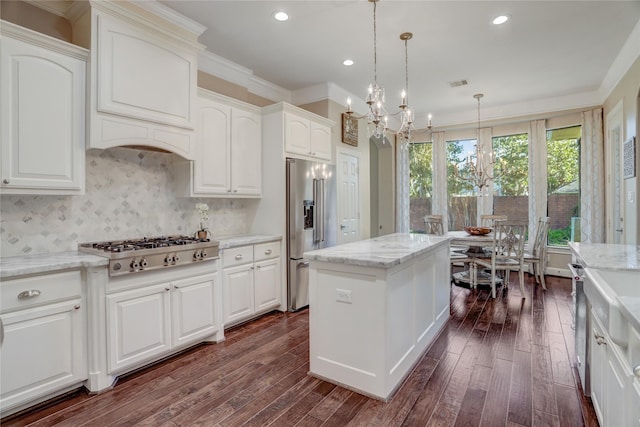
point(537, 255)
point(489, 220)
point(433, 224)
point(507, 253)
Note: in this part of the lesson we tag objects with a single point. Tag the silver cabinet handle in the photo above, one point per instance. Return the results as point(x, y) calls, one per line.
point(268, 252)
point(1, 332)
point(239, 257)
point(599, 339)
point(29, 294)
point(636, 370)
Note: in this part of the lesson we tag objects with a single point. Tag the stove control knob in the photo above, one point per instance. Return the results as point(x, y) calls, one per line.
point(135, 265)
point(176, 258)
point(204, 253)
point(197, 255)
point(167, 260)
point(117, 266)
point(144, 263)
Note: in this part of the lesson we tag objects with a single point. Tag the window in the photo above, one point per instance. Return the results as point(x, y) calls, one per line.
point(462, 203)
point(511, 172)
point(563, 185)
point(420, 184)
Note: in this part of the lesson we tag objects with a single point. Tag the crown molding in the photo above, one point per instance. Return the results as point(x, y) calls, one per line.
point(629, 53)
point(224, 69)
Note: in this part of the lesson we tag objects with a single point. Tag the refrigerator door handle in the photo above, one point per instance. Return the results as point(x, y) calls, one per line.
point(318, 198)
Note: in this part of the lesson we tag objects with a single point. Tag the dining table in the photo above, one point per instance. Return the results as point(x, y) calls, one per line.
point(479, 246)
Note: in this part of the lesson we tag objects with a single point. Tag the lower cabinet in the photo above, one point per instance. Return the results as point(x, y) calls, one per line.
point(251, 281)
point(611, 392)
point(147, 323)
point(43, 345)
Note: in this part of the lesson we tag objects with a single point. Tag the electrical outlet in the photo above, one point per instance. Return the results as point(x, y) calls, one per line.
point(343, 295)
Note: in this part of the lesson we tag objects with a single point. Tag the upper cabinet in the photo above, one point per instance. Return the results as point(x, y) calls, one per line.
point(42, 113)
point(306, 135)
point(228, 159)
point(143, 75)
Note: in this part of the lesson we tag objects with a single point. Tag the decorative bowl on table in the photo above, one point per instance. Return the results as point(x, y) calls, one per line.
point(477, 231)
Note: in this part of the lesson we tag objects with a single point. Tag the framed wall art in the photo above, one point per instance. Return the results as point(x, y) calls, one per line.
point(629, 158)
point(349, 130)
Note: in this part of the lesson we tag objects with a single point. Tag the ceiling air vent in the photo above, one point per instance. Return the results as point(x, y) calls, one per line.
point(458, 83)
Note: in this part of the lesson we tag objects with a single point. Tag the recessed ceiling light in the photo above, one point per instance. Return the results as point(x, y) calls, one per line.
point(500, 19)
point(347, 62)
point(281, 16)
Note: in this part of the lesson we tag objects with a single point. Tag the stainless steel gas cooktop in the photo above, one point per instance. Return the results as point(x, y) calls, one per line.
point(151, 253)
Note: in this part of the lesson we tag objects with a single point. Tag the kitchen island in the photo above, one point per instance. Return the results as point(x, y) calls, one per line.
point(375, 306)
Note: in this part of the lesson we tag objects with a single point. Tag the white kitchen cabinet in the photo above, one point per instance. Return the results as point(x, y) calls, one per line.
point(228, 160)
point(43, 352)
point(610, 382)
point(147, 323)
point(307, 137)
point(298, 132)
point(143, 75)
point(251, 280)
point(42, 118)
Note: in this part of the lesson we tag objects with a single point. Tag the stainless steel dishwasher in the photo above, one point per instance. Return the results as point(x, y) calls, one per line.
point(581, 325)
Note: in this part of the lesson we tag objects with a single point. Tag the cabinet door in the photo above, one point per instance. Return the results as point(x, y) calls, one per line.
point(297, 134)
point(267, 285)
point(615, 390)
point(193, 309)
point(42, 120)
point(320, 141)
point(634, 407)
point(43, 351)
point(246, 153)
point(598, 358)
point(237, 290)
point(212, 174)
point(138, 323)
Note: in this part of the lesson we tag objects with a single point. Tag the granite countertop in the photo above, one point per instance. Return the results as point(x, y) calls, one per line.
point(231, 241)
point(43, 263)
point(607, 256)
point(385, 251)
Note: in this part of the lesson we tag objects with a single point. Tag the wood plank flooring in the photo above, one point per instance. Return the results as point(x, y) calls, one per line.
point(498, 362)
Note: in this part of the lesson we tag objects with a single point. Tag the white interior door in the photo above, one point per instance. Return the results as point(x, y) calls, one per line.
point(615, 211)
point(348, 205)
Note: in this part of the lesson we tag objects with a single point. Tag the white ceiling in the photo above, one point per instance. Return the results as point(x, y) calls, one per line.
point(550, 55)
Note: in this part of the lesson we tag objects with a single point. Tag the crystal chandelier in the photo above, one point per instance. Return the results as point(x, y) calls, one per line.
point(406, 115)
point(376, 115)
point(477, 174)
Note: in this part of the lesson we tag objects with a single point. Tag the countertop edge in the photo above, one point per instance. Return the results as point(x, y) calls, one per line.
point(232, 241)
point(11, 267)
point(631, 309)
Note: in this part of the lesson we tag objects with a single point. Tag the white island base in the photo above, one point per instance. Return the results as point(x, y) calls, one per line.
point(372, 318)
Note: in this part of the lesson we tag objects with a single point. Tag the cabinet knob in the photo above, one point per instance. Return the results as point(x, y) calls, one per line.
point(5, 181)
point(76, 307)
point(268, 252)
point(235, 191)
point(599, 339)
point(239, 257)
point(167, 288)
point(636, 370)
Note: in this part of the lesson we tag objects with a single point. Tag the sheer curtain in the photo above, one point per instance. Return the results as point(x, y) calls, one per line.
point(439, 201)
point(537, 172)
point(402, 186)
point(592, 177)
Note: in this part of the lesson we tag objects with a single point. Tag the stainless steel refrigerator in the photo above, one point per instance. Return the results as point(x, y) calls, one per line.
point(311, 221)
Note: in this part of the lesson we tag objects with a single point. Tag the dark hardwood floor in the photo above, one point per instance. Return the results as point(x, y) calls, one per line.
point(498, 362)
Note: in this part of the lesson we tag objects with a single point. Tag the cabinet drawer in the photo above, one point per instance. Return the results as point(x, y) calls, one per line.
point(37, 290)
point(266, 251)
point(237, 256)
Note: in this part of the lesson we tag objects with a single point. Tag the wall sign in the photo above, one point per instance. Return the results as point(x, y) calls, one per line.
point(629, 158)
point(349, 130)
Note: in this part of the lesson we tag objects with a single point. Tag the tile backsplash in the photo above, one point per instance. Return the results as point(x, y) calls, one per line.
point(129, 194)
